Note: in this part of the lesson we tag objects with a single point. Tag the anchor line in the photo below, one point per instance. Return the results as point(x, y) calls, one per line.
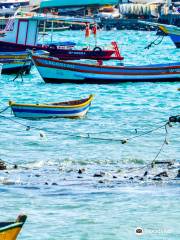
point(154, 42)
point(21, 71)
point(151, 165)
point(2, 111)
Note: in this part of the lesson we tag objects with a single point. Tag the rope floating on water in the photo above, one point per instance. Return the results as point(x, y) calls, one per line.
point(6, 108)
point(88, 135)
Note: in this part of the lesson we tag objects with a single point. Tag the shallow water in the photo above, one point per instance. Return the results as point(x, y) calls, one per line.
point(59, 202)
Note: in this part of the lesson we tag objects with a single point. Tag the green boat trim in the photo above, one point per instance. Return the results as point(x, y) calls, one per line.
point(79, 3)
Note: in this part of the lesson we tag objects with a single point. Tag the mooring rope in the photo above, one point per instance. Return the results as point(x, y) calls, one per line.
point(22, 70)
point(2, 111)
point(154, 42)
point(88, 135)
point(172, 119)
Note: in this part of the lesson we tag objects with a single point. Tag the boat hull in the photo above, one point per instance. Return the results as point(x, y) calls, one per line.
point(16, 62)
point(175, 39)
point(35, 111)
point(54, 71)
point(11, 233)
point(32, 112)
point(63, 54)
point(16, 67)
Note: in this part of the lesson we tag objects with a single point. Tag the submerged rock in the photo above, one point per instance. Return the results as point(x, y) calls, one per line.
point(157, 178)
point(2, 165)
point(178, 174)
point(80, 171)
point(79, 177)
point(101, 174)
point(114, 176)
point(145, 174)
point(37, 175)
point(15, 166)
point(100, 181)
point(162, 174)
point(54, 184)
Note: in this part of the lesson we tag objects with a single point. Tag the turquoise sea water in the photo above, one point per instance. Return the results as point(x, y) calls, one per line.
point(59, 202)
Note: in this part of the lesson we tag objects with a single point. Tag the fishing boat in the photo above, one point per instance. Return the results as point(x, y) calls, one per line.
point(14, 62)
point(22, 32)
point(68, 109)
point(173, 32)
point(55, 71)
point(12, 66)
point(10, 230)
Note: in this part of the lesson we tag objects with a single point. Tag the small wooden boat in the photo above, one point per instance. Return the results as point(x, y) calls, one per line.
point(10, 230)
point(69, 109)
point(56, 71)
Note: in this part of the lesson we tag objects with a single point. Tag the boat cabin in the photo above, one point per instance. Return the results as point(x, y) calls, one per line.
point(24, 29)
point(21, 30)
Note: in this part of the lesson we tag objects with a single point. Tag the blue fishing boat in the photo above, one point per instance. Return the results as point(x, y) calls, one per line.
point(173, 32)
point(68, 109)
point(55, 71)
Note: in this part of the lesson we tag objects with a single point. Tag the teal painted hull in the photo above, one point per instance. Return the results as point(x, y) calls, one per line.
point(68, 3)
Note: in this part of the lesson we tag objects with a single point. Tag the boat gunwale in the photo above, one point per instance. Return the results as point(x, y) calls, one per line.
point(170, 30)
point(86, 102)
point(143, 67)
point(65, 50)
point(11, 226)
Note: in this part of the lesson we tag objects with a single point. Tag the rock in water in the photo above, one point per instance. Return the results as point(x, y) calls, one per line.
point(162, 174)
point(178, 174)
point(2, 165)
